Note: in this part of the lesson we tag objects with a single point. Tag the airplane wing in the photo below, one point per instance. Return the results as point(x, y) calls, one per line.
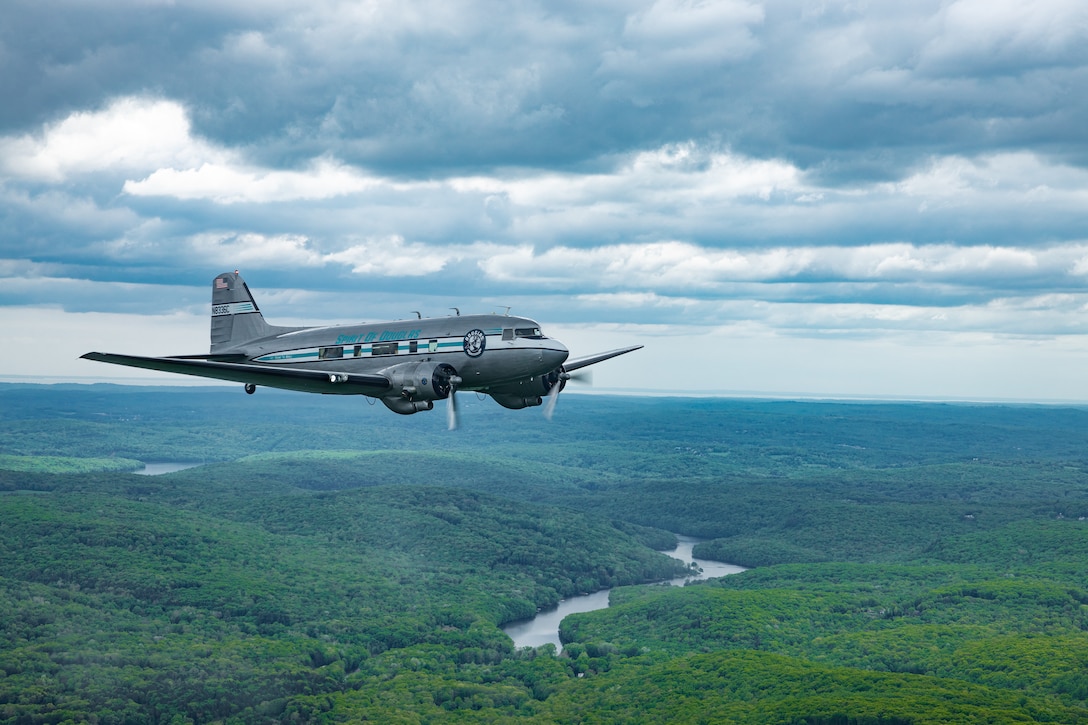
point(268, 375)
point(582, 362)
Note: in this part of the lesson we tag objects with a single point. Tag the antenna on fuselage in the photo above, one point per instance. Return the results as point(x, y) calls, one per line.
point(456, 310)
point(418, 315)
point(507, 308)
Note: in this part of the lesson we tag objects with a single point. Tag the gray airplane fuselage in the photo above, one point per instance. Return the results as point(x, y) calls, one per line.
point(512, 349)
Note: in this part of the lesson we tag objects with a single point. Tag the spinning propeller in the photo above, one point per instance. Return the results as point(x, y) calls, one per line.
point(451, 403)
point(561, 377)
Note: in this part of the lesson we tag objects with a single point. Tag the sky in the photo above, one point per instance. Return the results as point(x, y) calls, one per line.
point(795, 198)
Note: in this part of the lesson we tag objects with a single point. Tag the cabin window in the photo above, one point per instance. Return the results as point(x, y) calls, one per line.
point(330, 353)
point(432, 345)
point(413, 346)
point(358, 351)
point(508, 334)
point(531, 332)
point(384, 348)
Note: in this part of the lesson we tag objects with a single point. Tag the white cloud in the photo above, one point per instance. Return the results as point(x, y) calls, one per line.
point(685, 173)
point(154, 136)
point(957, 178)
point(393, 257)
point(373, 256)
point(674, 40)
point(230, 184)
point(131, 134)
point(255, 250)
point(1010, 33)
point(676, 190)
point(677, 265)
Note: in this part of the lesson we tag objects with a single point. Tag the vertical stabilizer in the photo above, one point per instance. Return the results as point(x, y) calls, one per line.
point(235, 316)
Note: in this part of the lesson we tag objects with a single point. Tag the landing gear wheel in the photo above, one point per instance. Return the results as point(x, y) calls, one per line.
point(250, 388)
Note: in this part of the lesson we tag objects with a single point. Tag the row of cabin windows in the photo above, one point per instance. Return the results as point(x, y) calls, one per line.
point(378, 348)
point(391, 348)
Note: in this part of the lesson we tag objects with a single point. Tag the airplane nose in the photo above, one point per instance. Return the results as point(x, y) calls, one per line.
point(556, 354)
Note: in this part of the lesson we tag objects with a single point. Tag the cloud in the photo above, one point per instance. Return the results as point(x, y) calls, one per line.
point(746, 226)
point(677, 173)
point(227, 184)
point(130, 134)
point(470, 86)
point(1005, 36)
point(678, 266)
point(673, 40)
point(701, 194)
point(255, 249)
point(393, 257)
point(794, 171)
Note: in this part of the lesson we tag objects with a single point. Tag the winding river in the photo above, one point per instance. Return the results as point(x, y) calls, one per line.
point(544, 627)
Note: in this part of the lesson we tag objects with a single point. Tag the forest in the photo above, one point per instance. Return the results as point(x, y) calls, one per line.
point(326, 561)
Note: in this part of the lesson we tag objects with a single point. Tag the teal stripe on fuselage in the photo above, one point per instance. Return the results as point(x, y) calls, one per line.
point(289, 356)
point(365, 351)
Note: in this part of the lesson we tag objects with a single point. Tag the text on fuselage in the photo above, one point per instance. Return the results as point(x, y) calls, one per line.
point(383, 336)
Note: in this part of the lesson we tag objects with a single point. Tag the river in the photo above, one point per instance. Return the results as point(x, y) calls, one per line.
point(544, 627)
point(157, 469)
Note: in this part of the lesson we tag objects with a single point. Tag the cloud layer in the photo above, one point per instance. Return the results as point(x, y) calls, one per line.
point(817, 170)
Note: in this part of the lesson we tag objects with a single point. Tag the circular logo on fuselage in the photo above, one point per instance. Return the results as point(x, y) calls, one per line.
point(475, 342)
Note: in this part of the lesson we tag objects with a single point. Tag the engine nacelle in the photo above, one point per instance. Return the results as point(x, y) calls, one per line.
point(420, 381)
point(527, 392)
point(515, 402)
point(416, 385)
point(407, 407)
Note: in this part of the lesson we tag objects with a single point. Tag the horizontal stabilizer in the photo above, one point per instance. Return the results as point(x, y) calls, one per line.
point(268, 375)
point(584, 362)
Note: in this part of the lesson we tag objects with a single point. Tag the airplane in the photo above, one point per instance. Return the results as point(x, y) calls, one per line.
point(407, 364)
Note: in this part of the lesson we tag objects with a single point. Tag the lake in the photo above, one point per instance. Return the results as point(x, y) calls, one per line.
point(544, 627)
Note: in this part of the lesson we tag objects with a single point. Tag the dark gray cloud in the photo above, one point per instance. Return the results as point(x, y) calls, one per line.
point(451, 87)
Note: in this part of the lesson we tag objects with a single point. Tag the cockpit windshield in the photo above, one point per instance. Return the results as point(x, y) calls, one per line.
point(533, 333)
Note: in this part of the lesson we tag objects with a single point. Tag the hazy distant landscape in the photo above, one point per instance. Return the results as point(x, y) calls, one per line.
point(327, 561)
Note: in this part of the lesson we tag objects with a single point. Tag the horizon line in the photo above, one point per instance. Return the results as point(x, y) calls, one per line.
point(14, 379)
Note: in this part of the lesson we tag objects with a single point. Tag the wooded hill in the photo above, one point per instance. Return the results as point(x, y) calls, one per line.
point(915, 563)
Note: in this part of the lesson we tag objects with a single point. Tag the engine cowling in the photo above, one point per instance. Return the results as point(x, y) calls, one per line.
point(528, 392)
point(416, 385)
point(407, 407)
point(516, 402)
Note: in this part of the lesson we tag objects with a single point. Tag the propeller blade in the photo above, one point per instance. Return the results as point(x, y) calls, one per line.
point(451, 412)
point(549, 404)
point(583, 377)
point(451, 404)
point(553, 393)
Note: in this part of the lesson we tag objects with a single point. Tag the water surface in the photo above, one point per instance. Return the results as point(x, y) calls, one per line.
point(161, 467)
point(544, 627)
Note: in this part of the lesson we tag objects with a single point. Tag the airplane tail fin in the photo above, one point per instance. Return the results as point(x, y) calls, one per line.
point(235, 316)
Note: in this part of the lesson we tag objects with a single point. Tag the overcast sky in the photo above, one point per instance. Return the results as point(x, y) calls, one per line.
point(830, 198)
